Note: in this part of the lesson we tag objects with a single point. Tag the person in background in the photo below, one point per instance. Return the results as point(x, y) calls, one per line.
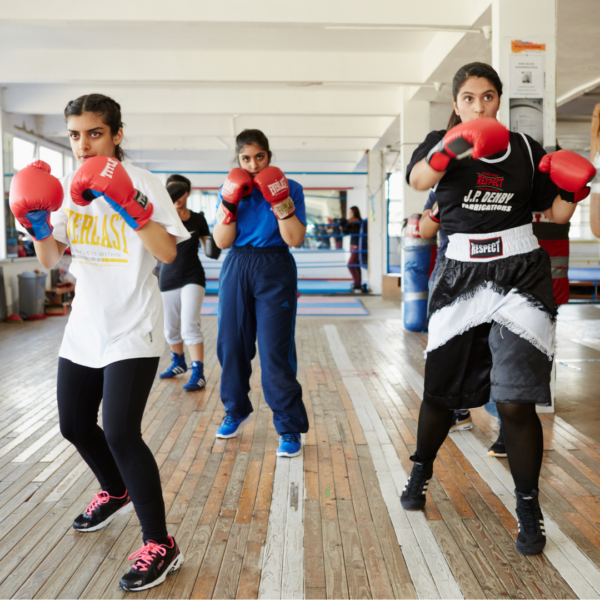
point(21, 249)
point(182, 286)
point(352, 227)
point(260, 215)
point(429, 226)
point(554, 238)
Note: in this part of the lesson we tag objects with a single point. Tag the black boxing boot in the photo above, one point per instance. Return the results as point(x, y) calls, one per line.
point(532, 533)
point(414, 494)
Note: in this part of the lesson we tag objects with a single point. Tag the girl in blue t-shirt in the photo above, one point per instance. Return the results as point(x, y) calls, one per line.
point(260, 214)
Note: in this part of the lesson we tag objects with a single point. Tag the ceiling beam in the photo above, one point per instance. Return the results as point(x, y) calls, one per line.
point(208, 125)
point(399, 12)
point(150, 66)
point(275, 99)
point(227, 143)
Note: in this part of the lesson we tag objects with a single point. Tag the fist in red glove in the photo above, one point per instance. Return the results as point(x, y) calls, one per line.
point(106, 176)
point(237, 185)
point(477, 138)
point(34, 194)
point(273, 185)
point(570, 172)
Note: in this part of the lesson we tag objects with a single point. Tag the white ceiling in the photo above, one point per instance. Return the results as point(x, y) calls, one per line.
point(323, 79)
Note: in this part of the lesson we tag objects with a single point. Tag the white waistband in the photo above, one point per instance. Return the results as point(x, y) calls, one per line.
point(483, 247)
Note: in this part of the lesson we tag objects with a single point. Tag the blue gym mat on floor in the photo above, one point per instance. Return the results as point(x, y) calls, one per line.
point(305, 286)
point(308, 306)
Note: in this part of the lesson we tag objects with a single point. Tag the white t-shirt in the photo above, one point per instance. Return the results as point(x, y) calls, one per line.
point(117, 311)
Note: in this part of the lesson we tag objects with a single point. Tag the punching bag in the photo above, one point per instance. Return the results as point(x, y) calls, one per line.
point(554, 239)
point(416, 266)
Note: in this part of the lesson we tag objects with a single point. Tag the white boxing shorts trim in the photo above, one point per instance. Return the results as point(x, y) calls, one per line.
point(485, 247)
point(511, 310)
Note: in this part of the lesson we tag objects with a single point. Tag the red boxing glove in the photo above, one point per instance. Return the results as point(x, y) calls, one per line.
point(477, 138)
point(434, 214)
point(237, 185)
point(273, 185)
point(34, 194)
point(570, 172)
point(106, 176)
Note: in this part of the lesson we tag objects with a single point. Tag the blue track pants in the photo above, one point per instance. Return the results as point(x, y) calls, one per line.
point(258, 297)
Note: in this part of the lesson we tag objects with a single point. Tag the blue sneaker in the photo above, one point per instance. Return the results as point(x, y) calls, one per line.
point(197, 381)
point(230, 426)
point(289, 445)
point(177, 367)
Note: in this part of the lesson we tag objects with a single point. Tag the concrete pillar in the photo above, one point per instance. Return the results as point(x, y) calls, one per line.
point(414, 126)
point(377, 218)
point(532, 21)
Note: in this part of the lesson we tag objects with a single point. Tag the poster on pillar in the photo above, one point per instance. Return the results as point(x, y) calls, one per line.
point(527, 80)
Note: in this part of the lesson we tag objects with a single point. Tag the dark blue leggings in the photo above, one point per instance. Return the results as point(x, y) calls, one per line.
point(117, 455)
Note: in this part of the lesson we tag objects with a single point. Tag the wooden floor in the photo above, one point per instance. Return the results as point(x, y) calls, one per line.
point(327, 524)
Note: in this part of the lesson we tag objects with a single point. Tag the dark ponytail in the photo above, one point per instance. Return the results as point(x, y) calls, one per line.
point(251, 136)
point(475, 69)
point(453, 120)
point(103, 106)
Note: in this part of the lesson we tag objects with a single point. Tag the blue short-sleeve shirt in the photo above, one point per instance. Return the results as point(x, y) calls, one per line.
point(257, 224)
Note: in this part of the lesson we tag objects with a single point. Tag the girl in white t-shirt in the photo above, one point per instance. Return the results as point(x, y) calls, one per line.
point(116, 218)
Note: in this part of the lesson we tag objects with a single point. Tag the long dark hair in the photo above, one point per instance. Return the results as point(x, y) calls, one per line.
point(474, 69)
point(101, 105)
point(356, 212)
point(251, 136)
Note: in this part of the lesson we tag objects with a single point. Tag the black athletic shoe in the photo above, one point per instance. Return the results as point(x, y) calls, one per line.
point(414, 493)
point(101, 511)
point(532, 533)
point(498, 449)
point(461, 421)
point(153, 562)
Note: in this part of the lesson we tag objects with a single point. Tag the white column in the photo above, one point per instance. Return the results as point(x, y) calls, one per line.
point(531, 21)
point(377, 218)
point(414, 127)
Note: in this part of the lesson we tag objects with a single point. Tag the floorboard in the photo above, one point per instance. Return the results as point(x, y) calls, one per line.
point(326, 524)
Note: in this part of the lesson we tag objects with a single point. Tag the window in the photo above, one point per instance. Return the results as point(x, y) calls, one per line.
point(54, 159)
point(580, 222)
point(23, 153)
point(204, 201)
point(395, 191)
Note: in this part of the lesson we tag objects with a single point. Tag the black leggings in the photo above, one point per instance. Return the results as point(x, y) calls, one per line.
point(117, 455)
point(523, 437)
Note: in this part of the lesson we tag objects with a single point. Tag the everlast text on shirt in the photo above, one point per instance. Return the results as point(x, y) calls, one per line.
point(491, 248)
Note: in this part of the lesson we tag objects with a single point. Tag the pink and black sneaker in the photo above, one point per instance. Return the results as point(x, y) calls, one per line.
point(101, 511)
point(153, 562)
